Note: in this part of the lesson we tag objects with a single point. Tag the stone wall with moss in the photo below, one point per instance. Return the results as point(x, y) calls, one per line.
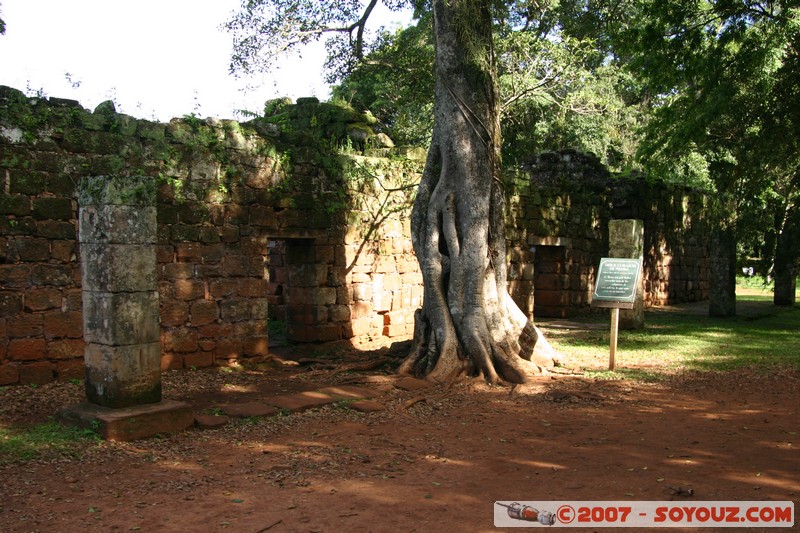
point(557, 220)
point(226, 190)
point(311, 187)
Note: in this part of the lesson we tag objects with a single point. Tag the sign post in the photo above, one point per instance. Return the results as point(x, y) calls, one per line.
point(617, 279)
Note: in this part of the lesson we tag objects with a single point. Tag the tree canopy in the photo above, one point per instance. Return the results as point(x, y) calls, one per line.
point(468, 323)
point(555, 90)
point(704, 92)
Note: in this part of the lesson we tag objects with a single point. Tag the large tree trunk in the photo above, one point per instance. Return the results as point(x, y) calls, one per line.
point(786, 253)
point(468, 324)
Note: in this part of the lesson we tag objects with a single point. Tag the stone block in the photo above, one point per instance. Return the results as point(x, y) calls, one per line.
point(15, 204)
point(361, 326)
point(9, 374)
point(30, 249)
point(182, 340)
point(301, 401)
point(323, 296)
point(29, 349)
point(235, 265)
point(122, 376)
point(221, 288)
point(234, 310)
point(10, 303)
point(42, 299)
point(117, 224)
point(189, 289)
point(198, 360)
point(175, 271)
point(385, 264)
point(249, 409)
point(26, 325)
point(65, 349)
point(121, 318)
point(49, 208)
point(117, 190)
point(366, 406)
point(174, 313)
point(132, 422)
point(259, 308)
point(362, 292)
point(56, 275)
point(395, 330)
point(361, 309)
point(256, 345)
point(319, 333)
point(210, 421)
point(188, 252)
point(63, 251)
point(348, 392)
point(171, 361)
point(118, 267)
point(204, 312)
point(38, 373)
point(70, 369)
point(253, 288)
point(212, 253)
point(340, 313)
point(215, 331)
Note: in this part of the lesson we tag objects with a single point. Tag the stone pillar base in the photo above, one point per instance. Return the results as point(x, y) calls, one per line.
point(130, 423)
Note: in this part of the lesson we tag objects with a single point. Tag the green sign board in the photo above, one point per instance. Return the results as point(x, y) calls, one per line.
point(616, 284)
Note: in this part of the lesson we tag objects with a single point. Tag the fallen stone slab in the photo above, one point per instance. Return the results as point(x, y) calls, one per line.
point(246, 410)
point(131, 423)
point(367, 406)
point(210, 421)
point(348, 392)
point(302, 401)
point(412, 384)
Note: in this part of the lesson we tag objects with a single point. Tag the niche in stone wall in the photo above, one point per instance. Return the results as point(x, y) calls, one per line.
point(305, 302)
point(550, 282)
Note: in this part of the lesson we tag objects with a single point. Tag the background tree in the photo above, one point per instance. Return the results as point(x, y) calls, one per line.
point(395, 83)
point(468, 323)
point(718, 75)
point(555, 90)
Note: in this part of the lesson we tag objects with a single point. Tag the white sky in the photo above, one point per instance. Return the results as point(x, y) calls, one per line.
point(155, 58)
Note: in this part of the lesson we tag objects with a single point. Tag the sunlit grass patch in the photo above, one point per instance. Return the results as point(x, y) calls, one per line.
point(673, 341)
point(49, 438)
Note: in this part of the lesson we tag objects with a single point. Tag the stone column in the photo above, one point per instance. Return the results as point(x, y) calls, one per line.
point(626, 241)
point(117, 233)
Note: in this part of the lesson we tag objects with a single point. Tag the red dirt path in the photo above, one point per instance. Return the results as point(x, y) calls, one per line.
point(436, 465)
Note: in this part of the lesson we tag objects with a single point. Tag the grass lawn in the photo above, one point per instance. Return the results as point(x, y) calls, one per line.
point(765, 337)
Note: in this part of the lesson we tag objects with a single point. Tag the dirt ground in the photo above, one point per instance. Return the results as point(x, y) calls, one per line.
point(432, 460)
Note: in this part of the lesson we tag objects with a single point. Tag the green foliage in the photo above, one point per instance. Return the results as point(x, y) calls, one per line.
point(47, 439)
point(557, 94)
point(720, 82)
point(674, 341)
point(555, 91)
point(264, 30)
point(396, 83)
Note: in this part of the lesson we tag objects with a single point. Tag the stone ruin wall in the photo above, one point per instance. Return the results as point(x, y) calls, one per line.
point(260, 219)
point(558, 231)
point(227, 191)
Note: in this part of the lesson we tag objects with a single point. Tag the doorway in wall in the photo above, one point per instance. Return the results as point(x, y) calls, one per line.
point(550, 282)
point(292, 272)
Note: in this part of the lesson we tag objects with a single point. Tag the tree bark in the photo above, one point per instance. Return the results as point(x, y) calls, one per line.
point(722, 285)
point(468, 324)
point(786, 255)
